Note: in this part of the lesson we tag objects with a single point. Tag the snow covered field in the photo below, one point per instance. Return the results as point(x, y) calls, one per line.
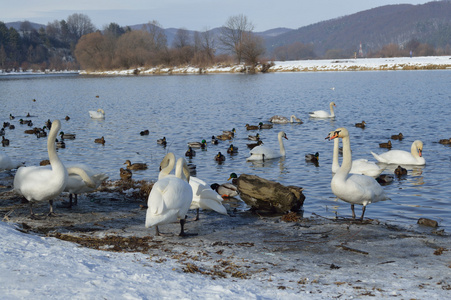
point(359, 64)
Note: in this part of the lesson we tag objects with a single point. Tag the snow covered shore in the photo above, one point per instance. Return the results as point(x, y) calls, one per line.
point(359, 64)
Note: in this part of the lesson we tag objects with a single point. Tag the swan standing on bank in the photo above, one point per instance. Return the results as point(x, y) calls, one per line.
point(205, 198)
point(99, 114)
point(82, 179)
point(359, 166)
point(401, 157)
point(42, 183)
point(170, 199)
point(264, 152)
point(322, 113)
point(354, 189)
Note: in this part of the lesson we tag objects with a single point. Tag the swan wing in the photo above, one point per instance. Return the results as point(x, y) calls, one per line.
point(263, 151)
point(366, 188)
point(319, 114)
point(400, 157)
point(365, 167)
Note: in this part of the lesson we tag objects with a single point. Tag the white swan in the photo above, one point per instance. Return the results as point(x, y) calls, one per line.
point(359, 166)
point(204, 197)
point(99, 114)
point(400, 157)
point(166, 165)
point(82, 179)
point(42, 183)
point(7, 164)
point(354, 189)
point(170, 198)
point(263, 152)
point(322, 113)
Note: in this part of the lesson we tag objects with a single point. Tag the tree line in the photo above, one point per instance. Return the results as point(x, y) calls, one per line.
point(75, 43)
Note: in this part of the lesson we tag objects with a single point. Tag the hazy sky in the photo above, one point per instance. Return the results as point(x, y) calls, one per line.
point(193, 15)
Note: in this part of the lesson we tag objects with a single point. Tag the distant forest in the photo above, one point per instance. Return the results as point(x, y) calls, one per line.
point(74, 43)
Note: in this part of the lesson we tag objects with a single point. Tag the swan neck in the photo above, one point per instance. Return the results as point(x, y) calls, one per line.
point(332, 113)
point(82, 173)
point(282, 147)
point(51, 147)
point(335, 164)
point(414, 150)
point(167, 164)
point(347, 157)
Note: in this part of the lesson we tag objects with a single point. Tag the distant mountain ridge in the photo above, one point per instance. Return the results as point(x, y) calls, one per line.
point(427, 23)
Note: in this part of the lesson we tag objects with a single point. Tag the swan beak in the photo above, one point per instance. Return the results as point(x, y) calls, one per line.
point(420, 152)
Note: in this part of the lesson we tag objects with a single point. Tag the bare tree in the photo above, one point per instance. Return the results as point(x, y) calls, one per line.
point(181, 38)
point(231, 36)
point(159, 40)
point(252, 47)
point(79, 25)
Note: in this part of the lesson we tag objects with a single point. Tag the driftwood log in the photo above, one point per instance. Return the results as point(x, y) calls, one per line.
point(271, 196)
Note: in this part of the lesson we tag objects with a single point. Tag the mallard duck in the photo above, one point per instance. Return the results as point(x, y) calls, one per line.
point(360, 125)
point(251, 127)
point(12, 126)
point(400, 171)
point(190, 153)
point(60, 144)
point(253, 145)
point(11, 117)
point(445, 141)
point(5, 142)
point(312, 157)
point(232, 149)
point(384, 179)
point(6, 124)
point(162, 141)
point(144, 132)
point(67, 118)
point(135, 166)
point(100, 140)
point(48, 124)
point(2, 131)
point(265, 126)
point(201, 144)
point(254, 137)
point(220, 157)
point(399, 136)
point(40, 132)
point(25, 122)
point(225, 190)
point(214, 140)
point(125, 174)
point(386, 145)
point(224, 137)
point(44, 162)
point(67, 136)
point(229, 132)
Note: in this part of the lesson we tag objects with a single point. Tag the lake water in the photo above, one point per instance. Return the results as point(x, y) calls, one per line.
point(187, 108)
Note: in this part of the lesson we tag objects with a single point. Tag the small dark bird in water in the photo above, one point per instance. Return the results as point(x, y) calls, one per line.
point(253, 145)
point(190, 153)
point(100, 140)
point(387, 145)
point(232, 149)
point(5, 142)
point(220, 157)
point(125, 174)
point(144, 132)
point(135, 166)
point(312, 157)
point(360, 125)
point(400, 171)
point(397, 136)
point(162, 141)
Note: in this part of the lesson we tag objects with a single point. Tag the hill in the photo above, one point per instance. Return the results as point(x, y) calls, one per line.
point(428, 23)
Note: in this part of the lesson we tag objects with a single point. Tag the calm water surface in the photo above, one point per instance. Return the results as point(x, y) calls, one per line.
point(186, 108)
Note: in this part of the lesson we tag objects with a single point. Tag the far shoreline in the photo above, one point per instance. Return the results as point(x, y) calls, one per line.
point(323, 65)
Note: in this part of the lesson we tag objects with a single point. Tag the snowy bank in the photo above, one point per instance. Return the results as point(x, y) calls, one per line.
point(358, 64)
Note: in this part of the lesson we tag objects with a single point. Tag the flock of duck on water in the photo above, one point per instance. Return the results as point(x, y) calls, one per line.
point(174, 194)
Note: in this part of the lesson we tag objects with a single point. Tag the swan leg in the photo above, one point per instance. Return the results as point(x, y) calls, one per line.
point(197, 215)
point(51, 213)
point(76, 200)
point(32, 215)
point(353, 212)
point(157, 231)
point(363, 212)
point(182, 231)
